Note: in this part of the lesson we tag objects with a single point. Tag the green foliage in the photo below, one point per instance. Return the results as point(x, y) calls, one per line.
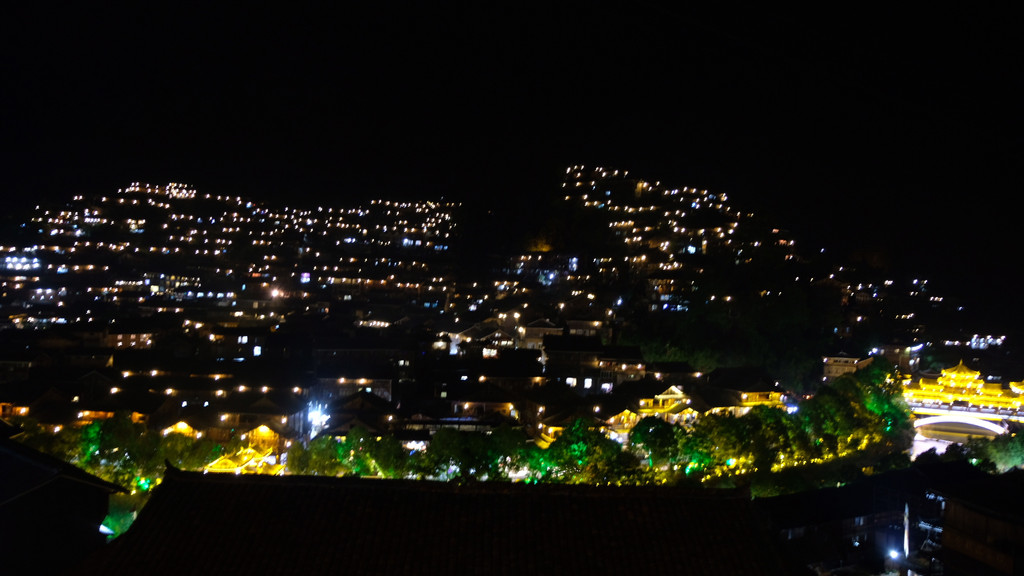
point(458, 455)
point(121, 451)
point(1005, 452)
point(880, 373)
point(89, 443)
point(697, 449)
point(357, 453)
point(188, 453)
point(849, 414)
point(297, 460)
point(122, 510)
point(391, 458)
point(995, 456)
point(508, 449)
point(857, 422)
point(844, 420)
point(775, 437)
point(583, 455)
point(321, 457)
point(727, 437)
point(831, 416)
point(656, 440)
point(65, 444)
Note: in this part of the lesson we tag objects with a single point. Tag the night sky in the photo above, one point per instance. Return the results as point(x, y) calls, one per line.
point(867, 130)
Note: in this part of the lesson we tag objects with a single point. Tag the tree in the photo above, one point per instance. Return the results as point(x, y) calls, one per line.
point(187, 452)
point(122, 451)
point(732, 436)
point(582, 455)
point(391, 458)
point(456, 455)
point(656, 440)
point(506, 452)
point(1006, 452)
point(320, 457)
point(697, 449)
point(64, 444)
point(833, 417)
point(776, 437)
point(297, 459)
point(356, 452)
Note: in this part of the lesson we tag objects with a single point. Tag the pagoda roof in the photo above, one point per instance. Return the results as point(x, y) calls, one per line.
point(542, 323)
point(643, 388)
point(245, 460)
point(961, 370)
point(362, 402)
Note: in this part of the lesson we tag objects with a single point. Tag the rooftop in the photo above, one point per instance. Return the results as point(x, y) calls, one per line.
point(199, 523)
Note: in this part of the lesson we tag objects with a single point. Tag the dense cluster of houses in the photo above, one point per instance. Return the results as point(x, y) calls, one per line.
point(217, 316)
point(312, 376)
point(221, 318)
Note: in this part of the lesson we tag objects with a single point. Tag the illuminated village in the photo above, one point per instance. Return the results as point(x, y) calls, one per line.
point(642, 335)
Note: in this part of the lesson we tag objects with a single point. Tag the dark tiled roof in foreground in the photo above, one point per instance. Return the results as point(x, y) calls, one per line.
point(226, 524)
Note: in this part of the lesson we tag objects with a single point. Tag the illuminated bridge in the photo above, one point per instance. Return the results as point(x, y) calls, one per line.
point(960, 401)
point(936, 417)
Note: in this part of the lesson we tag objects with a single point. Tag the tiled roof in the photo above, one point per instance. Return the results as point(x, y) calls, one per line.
point(24, 470)
point(215, 524)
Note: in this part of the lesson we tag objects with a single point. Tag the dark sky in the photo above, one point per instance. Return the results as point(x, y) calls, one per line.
point(870, 128)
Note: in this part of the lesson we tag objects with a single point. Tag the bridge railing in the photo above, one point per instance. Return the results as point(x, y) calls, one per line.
point(969, 409)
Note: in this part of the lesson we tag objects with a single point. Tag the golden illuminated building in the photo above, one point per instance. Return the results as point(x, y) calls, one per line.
point(246, 461)
point(672, 406)
point(836, 366)
point(183, 428)
point(622, 423)
point(962, 389)
point(771, 398)
point(263, 437)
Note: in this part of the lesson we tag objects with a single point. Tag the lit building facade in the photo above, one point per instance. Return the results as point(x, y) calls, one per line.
point(960, 389)
point(836, 366)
